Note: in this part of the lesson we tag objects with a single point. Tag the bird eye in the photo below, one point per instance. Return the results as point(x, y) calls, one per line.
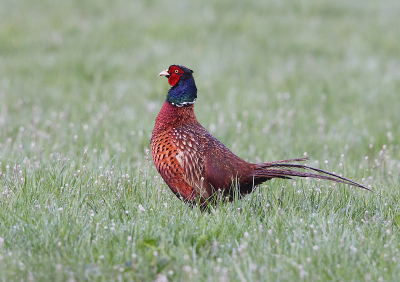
point(176, 71)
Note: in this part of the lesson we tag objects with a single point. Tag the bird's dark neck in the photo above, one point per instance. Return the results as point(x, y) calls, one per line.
point(183, 93)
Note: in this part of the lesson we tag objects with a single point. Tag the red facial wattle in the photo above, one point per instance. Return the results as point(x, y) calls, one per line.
point(173, 79)
point(174, 75)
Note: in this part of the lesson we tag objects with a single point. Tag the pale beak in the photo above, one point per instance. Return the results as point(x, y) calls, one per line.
point(164, 73)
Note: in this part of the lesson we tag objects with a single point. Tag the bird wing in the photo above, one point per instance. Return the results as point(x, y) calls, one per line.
point(190, 155)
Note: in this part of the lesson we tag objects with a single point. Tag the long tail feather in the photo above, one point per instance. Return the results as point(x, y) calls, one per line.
point(286, 161)
point(279, 169)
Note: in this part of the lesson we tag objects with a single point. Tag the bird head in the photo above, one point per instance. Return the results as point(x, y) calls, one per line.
point(183, 91)
point(175, 73)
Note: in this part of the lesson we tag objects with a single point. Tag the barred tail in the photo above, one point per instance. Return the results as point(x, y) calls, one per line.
point(280, 169)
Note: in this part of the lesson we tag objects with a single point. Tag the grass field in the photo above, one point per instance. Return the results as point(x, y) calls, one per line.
point(80, 198)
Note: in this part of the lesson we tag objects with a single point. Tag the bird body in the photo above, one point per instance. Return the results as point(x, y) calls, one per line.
point(195, 165)
point(191, 161)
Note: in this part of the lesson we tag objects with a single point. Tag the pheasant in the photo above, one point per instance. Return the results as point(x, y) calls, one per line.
point(196, 166)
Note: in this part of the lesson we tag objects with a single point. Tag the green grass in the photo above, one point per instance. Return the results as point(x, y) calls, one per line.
point(80, 198)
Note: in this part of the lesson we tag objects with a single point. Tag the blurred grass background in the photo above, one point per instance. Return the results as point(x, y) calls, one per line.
point(79, 95)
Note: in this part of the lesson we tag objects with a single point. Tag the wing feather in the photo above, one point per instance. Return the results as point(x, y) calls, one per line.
point(190, 155)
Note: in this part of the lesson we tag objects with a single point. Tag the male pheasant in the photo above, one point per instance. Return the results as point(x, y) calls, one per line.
point(195, 165)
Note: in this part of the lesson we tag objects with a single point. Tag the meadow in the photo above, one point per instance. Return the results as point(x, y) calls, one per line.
point(80, 199)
